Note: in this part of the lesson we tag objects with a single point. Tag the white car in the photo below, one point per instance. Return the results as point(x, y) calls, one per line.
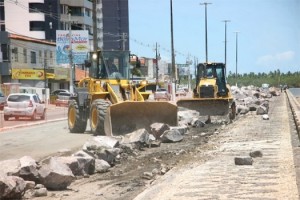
point(162, 93)
point(24, 105)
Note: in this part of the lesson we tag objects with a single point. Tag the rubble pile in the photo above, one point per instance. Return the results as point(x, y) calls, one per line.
point(25, 176)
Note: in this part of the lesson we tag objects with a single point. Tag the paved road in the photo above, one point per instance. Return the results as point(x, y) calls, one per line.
point(271, 177)
point(53, 113)
point(40, 138)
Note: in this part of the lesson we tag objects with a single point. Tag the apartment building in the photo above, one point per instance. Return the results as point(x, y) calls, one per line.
point(41, 18)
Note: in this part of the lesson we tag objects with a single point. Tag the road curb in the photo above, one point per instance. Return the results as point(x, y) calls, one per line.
point(31, 124)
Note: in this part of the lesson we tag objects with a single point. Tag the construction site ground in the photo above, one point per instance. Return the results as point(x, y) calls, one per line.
point(202, 165)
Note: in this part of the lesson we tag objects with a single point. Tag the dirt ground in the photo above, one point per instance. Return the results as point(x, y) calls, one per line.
point(129, 177)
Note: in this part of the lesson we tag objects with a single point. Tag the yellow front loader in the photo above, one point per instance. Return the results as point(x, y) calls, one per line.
point(111, 103)
point(212, 95)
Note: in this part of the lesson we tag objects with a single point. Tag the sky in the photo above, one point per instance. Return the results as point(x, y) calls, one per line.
point(268, 35)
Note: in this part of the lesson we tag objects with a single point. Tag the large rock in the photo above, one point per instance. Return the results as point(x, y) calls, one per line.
point(157, 129)
point(56, 175)
point(28, 169)
point(11, 187)
point(138, 137)
point(261, 110)
point(182, 129)
point(241, 109)
point(101, 166)
point(185, 117)
point(171, 136)
point(97, 142)
point(10, 167)
point(109, 155)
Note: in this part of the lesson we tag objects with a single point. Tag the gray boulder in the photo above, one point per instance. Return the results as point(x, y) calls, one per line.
point(101, 166)
point(10, 167)
point(182, 129)
point(56, 175)
point(171, 136)
point(28, 169)
point(100, 141)
point(11, 187)
point(157, 129)
point(261, 110)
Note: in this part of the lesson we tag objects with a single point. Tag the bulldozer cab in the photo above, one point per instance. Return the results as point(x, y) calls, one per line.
point(110, 65)
point(206, 71)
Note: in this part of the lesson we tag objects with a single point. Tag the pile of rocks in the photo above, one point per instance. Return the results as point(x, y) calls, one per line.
point(25, 176)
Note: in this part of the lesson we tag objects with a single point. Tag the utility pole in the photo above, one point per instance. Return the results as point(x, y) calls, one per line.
point(95, 39)
point(236, 57)
point(174, 71)
point(71, 56)
point(206, 51)
point(225, 21)
point(95, 61)
point(156, 57)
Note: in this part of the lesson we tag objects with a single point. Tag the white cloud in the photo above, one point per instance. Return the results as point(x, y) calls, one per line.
point(276, 59)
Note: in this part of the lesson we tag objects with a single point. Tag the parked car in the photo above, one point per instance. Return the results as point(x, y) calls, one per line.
point(54, 95)
point(24, 105)
point(56, 92)
point(2, 101)
point(181, 92)
point(63, 99)
point(162, 93)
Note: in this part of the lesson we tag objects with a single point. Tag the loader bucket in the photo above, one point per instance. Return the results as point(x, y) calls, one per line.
point(206, 107)
point(128, 116)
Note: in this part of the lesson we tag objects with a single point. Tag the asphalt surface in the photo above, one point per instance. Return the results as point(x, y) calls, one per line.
point(273, 176)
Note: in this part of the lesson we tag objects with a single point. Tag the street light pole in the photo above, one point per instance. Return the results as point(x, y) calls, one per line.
point(174, 71)
point(206, 51)
point(236, 56)
point(71, 56)
point(225, 21)
point(156, 69)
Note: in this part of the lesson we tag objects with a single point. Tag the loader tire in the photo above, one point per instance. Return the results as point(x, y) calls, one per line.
point(97, 116)
point(76, 123)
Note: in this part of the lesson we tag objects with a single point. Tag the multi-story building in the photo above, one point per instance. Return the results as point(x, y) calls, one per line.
point(37, 19)
point(40, 19)
point(113, 29)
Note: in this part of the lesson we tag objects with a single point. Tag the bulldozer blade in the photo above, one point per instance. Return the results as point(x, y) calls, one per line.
point(211, 107)
point(128, 116)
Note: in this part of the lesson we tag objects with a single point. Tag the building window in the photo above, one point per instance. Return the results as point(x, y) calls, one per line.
point(2, 16)
point(2, 27)
point(25, 55)
point(35, 7)
point(37, 26)
point(5, 52)
point(88, 12)
point(40, 57)
point(51, 58)
point(45, 58)
point(15, 53)
point(33, 57)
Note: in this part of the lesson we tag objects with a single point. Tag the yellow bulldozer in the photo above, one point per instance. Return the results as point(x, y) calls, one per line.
point(111, 102)
point(212, 95)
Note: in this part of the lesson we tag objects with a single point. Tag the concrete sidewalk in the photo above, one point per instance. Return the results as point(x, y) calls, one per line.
point(273, 176)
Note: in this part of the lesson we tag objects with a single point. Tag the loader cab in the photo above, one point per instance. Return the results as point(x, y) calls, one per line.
point(213, 71)
point(110, 65)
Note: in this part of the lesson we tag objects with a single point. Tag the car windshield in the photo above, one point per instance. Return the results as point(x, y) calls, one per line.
point(18, 98)
point(161, 90)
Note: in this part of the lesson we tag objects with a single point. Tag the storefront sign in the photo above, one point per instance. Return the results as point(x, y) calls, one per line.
point(30, 74)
